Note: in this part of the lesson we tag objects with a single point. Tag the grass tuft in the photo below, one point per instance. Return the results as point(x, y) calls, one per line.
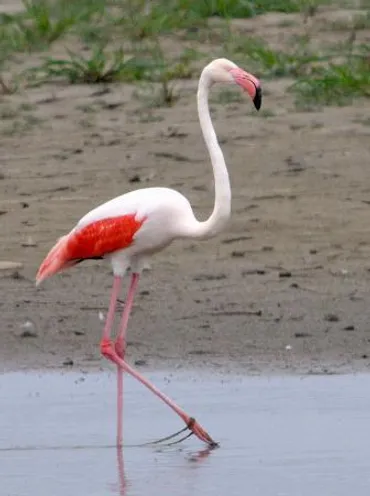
point(144, 31)
point(36, 28)
point(336, 84)
point(100, 66)
point(236, 8)
point(273, 63)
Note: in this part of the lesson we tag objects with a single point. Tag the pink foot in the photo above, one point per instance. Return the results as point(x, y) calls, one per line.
point(120, 347)
point(201, 434)
point(108, 350)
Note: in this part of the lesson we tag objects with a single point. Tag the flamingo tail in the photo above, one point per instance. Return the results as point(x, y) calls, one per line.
point(55, 261)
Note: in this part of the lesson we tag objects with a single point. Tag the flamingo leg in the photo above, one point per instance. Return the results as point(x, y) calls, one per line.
point(120, 348)
point(109, 351)
point(117, 284)
point(107, 331)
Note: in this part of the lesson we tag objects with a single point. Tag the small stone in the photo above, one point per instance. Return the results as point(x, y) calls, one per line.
point(250, 272)
point(28, 329)
point(5, 265)
point(140, 362)
point(238, 254)
point(285, 273)
point(135, 179)
point(209, 277)
point(29, 243)
point(331, 317)
point(349, 328)
point(16, 275)
point(28, 333)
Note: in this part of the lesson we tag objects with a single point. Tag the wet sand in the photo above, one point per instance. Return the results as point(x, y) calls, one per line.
point(279, 436)
point(284, 288)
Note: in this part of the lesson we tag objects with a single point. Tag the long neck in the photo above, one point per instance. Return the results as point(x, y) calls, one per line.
point(222, 205)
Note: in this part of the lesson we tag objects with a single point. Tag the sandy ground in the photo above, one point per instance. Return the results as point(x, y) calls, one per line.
point(284, 288)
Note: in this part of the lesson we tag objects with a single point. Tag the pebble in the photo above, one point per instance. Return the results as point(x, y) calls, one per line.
point(28, 330)
point(7, 265)
point(29, 243)
point(140, 362)
point(349, 328)
point(285, 273)
point(28, 333)
point(331, 317)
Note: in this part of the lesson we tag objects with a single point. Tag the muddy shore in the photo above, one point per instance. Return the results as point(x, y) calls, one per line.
point(284, 288)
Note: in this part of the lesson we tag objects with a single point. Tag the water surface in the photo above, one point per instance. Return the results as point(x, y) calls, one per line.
point(279, 436)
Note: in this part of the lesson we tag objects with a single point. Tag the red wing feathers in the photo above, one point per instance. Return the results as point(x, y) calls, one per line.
point(92, 241)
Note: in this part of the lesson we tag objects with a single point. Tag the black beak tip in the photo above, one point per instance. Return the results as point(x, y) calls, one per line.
point(257, 100)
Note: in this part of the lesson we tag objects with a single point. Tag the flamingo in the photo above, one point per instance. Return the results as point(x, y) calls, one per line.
point(130, 228)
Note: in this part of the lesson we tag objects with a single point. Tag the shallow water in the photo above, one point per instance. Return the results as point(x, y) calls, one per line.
point(279, 436)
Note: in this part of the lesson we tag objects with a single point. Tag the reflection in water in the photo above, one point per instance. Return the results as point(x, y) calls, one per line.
point(123, 484)
point(279, 436)
point(202, 454)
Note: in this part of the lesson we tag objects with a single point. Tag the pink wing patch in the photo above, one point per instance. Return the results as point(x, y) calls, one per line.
point(102, 237)
point(92, 241)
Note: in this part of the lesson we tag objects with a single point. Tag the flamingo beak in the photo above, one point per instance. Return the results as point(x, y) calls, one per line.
point(257, 100)
point(248, 83)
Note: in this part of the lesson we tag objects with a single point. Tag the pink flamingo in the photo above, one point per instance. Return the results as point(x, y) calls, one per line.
point(130, 228)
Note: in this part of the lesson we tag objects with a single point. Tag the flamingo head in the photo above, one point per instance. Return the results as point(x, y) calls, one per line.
point(225, 71)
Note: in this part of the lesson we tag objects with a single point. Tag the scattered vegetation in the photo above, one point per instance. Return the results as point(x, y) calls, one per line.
point(226, 95)
point(237, 8)
point(100, 66)
point(274, 63)
point(35, 29)
point(130, 41)
point(337, 84)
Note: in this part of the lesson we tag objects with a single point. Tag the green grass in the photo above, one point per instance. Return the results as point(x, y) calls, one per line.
point(7, 112)
point(129, 41)
point(336, 84)
point(236, 8)
point(21, 125)
point(272, 63)
point(100, 66)
point(36, 28)
point(159, 95)
point(142, 19)
point(358, 22)
point(226, 95)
